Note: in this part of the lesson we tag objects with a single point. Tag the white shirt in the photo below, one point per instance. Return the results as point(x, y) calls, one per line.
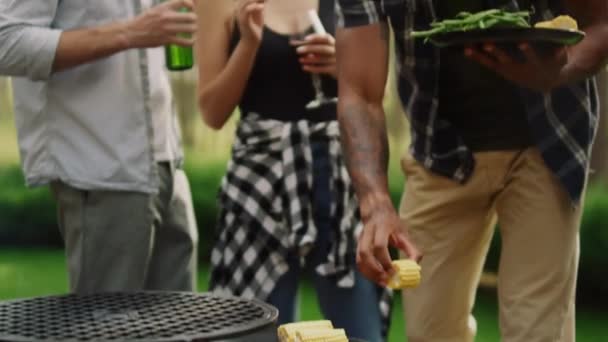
point(164, 124)
point(97, 126)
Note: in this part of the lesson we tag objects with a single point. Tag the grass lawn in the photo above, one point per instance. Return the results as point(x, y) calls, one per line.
point(36, 272)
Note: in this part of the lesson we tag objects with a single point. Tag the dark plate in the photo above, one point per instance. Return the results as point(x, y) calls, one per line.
point(541, 36)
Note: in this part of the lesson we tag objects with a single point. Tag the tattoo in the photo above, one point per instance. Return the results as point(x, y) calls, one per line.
point(365, 144)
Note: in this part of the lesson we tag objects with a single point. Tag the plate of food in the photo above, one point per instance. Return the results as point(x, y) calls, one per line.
point(501, 27)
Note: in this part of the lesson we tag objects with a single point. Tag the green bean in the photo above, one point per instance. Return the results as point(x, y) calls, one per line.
point(465, 21)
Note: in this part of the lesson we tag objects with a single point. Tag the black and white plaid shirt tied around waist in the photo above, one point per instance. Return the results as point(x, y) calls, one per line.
point(266, 212)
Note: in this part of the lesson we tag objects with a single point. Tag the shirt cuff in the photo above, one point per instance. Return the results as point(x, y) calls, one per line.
point(43, 44)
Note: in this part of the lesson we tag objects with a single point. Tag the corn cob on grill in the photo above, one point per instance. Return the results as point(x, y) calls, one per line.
point(323, 335)
point(407, 274)
point(287, 332)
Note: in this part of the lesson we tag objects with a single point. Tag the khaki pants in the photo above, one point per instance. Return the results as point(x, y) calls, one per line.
point(453, 225)
point(129, 241)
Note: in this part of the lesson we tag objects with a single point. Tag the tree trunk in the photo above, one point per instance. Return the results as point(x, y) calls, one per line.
point(599, 157)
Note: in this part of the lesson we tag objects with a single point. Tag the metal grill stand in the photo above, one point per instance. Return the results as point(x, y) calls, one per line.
point(137, 317)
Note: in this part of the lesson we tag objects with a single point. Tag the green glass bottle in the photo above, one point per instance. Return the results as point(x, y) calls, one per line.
point(179, 58)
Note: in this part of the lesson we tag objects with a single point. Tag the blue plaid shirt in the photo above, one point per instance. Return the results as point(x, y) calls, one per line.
point(563, 123)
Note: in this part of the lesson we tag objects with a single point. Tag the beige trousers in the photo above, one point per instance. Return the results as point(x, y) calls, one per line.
point(453, 225)
point(129, 241)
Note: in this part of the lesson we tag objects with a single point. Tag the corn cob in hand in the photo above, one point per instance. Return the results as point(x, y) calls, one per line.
point(321, 335)
point(407, 274)
point(287, 332)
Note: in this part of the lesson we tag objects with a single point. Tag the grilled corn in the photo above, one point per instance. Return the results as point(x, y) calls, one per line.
point(562, 22)
point(287, 332)
point(407, 274)
point(323, 335)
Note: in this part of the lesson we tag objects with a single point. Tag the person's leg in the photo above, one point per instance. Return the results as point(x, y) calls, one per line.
point(284, 296)
point(354, 309)
point(452, 224)
point(539, 258)
point(108, 237)
point(174, 257)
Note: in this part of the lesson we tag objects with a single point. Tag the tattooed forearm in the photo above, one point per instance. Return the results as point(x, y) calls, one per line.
point(366, 150)
point(362, 74)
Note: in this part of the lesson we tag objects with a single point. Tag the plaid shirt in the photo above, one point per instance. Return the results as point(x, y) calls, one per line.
point(266, 212)
point(563, 122)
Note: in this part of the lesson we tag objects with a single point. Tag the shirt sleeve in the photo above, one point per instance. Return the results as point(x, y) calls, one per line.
point(28, 43)
point(352, 13)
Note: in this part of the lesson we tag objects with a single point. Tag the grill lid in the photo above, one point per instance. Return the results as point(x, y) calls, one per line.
point(144, 316)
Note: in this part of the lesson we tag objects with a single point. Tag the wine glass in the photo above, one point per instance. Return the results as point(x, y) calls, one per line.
point(303, 23)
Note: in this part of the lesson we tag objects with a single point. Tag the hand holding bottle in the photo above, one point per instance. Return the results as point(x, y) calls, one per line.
point(163, 24)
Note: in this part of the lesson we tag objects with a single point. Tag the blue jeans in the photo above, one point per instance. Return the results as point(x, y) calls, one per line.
point(353, 309)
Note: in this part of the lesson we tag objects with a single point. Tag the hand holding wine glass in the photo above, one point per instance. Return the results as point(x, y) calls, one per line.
point(317, 54)
point(250, 18)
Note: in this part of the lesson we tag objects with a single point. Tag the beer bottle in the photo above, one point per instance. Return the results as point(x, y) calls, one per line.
point(179, 58)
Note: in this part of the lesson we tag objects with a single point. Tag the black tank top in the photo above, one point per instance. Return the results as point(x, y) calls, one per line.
point(278, 88)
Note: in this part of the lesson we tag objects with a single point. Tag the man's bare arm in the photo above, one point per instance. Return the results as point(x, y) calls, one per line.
point(587, 58)
point(362, 55)
point(362, 71)
point(567, 64)
point(157, 26)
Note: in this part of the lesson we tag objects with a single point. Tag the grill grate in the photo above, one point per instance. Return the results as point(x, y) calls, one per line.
point(146, 316)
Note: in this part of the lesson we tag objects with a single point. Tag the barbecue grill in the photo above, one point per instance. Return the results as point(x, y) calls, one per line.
point(137, 317)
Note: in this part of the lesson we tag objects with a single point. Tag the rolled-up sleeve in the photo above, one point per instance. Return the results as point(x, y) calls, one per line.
point(352, 13)
point(28, 43)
